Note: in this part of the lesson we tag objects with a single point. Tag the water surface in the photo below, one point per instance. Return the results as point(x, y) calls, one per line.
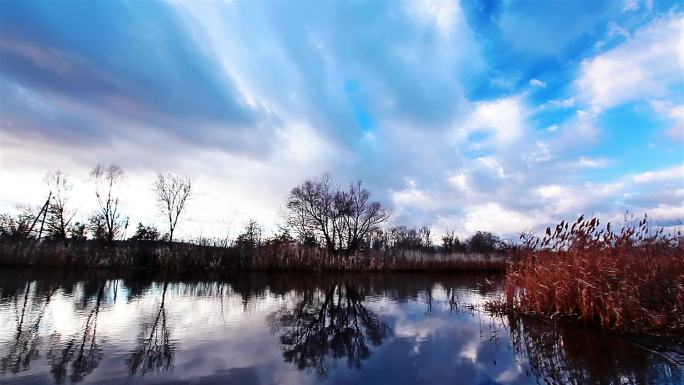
point(104, 328)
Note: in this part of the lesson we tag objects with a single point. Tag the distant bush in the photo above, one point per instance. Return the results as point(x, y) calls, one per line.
point(484, 242)
point(251, 236)
point(97, 228)
point(78, 231)
point(145, 233)
point(15, 227)
point(400, 238)
point(451, 243)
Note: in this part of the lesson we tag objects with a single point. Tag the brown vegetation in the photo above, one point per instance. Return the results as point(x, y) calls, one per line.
point(270, 255)
point(631, 280)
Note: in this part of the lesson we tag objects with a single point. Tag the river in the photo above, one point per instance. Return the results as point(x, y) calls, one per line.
point(98, 327)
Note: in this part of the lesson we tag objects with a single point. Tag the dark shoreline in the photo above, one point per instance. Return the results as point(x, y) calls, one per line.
point(179, 257)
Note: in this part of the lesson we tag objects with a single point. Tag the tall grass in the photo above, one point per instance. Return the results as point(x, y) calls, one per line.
point(202, 257)
point(630, 280)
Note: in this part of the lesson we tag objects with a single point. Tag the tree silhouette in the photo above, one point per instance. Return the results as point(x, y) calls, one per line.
point(172, 192)
point(154, 351)
point(24, 346)
point(59, 215)
point(327, 324)
point(107, 181)
point(82, 353)
point(339, 219)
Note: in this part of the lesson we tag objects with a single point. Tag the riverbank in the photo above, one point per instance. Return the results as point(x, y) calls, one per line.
point(181, 257)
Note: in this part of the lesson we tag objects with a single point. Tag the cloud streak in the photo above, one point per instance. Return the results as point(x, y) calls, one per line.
point(455, 115)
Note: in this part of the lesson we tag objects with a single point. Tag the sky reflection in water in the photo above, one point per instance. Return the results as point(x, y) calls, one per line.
point(294, 329)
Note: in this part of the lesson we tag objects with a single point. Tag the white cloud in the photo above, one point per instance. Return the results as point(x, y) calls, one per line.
point(460, 181)
point(444, 14)
point(675, 113)
point(494, 217)
point(412, 195)
point(574, 134)
point(615, 29)
point(562, 201)
point(435, 157)
point(630, 5)
point(675, 174)
point(550, 191)
point(502, 120)
point(219, 200)
point(592, 162)
point(569, 102)
point(643, 66)
point(414, 198)
point(542, 150)
point(537, 83)
point(666, 212)
point(676, 133)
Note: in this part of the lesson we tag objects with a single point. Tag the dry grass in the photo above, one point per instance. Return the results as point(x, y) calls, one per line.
point(192, 257)
point(631, 280)
point(294, 257)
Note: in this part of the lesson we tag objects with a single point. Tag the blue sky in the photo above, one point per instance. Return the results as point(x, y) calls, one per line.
point(494, 115)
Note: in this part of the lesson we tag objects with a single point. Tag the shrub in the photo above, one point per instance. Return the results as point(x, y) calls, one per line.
point(145, 233)
point(484, 242)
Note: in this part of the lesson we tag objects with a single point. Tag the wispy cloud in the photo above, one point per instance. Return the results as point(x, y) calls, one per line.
point(502, 117)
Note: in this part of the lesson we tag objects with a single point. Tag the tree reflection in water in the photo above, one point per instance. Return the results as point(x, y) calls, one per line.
point(26, 341)
point(331, 323)
point(558, 354)
point(323, 321)
point(154, 351)
point(82, 353)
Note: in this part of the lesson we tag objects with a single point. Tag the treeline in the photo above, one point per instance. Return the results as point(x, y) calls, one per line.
point(390, 240)
point(55, 220)
point(325, 227)
point(251, 237)
point(317, 213)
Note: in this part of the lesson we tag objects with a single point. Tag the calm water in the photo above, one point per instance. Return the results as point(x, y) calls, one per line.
point(296, 329)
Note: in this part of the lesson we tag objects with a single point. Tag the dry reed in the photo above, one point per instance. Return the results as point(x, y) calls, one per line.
point(631, 280)
point(192, 257)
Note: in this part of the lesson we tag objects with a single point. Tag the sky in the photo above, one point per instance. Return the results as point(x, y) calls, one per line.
point(503, 116)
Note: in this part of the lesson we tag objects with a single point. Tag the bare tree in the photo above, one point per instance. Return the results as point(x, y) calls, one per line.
point(59, 215)
point(172, 193)
point(18, 226)
point(310, 211)
point(251, 236)
point(107, 180)
point(339, 219)
point(449, 240)
point(360, 215)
